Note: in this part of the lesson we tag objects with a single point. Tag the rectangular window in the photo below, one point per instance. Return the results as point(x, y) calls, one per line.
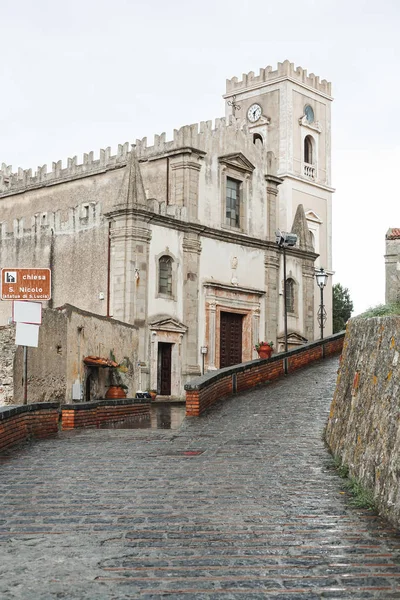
point(232, 212)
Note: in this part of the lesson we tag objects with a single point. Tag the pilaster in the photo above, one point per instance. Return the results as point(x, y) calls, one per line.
point(308, 273)
point(191, 262)
point(272, 209)
point(185, 169)
point(130, 244)
point(271, 262)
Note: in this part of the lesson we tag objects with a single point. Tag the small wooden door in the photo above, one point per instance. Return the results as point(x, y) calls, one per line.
point(230, 352)
point(164, 368)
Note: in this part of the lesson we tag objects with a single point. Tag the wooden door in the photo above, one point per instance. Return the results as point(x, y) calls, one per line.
point(164, 358)
point(230, 352)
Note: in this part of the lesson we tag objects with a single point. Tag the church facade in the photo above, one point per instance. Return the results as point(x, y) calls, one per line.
point(178, 237)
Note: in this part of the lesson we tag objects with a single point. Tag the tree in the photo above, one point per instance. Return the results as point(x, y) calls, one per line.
point(342, 307)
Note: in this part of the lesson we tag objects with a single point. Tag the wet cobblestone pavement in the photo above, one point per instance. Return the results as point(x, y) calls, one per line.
point(242, 503)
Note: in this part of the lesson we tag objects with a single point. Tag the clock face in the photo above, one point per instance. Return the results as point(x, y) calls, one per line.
point(308, 111)
point(254, 113)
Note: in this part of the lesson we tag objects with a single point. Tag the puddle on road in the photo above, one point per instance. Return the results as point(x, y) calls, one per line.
point(162, 416)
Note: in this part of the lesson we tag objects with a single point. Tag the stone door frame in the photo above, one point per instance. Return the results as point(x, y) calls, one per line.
point(234, 299)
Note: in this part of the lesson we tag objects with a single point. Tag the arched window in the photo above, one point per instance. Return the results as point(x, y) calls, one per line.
point(290, 284)
point(257, 136)
point(165, 275)
point(308, 150)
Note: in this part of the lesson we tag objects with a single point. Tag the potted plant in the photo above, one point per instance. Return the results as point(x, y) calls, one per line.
point(117, 388)
point(264, 349)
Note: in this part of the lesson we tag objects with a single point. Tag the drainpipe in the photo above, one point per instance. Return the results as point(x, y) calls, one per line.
point(108, 269)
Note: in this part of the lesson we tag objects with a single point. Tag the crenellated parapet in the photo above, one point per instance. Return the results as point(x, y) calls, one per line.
point(190, 136)
point(194, 136)
point(24, 179)
point(284, 70)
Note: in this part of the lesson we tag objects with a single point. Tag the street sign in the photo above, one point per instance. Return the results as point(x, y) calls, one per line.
point(27, 334)
point(27, 312)
point(25, 284)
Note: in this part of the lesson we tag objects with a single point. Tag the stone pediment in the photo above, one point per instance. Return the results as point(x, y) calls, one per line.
point(238, 161)
point(293, 338)
point(167, 323)
point(312, 216)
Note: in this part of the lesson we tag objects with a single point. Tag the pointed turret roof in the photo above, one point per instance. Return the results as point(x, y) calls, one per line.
point(300, 228)
point(132, 189)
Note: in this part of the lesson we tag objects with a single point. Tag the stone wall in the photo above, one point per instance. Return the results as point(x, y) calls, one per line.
point(66, 336)
point(363, 429)
point(7, 353)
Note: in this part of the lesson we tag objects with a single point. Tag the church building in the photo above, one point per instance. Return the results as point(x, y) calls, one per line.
point(178, 237)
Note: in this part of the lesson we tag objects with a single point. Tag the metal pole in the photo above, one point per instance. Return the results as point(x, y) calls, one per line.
point(321, 308)
point(25, 374)
point(284, 299)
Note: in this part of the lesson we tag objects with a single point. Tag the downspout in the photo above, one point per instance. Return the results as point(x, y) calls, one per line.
point(167, 183)
point(108, 269)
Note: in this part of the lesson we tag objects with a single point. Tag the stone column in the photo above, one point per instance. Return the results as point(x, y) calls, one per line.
point(308, 298)
point(271, 262)
point(191, 263)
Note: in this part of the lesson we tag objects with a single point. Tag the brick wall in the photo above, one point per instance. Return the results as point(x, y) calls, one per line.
point(203, 392)
point(96, 414)
point(21, 423)
point(41, 420)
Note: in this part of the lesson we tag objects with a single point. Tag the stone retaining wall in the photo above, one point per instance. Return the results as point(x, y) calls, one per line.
point(7, 353)
point(363, 429)
point(203, 392)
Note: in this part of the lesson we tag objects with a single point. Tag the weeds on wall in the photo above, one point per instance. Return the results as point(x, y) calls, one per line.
point(382, 310)
point(361, 497)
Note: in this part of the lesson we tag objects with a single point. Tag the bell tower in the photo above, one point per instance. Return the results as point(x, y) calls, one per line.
point(289, 111)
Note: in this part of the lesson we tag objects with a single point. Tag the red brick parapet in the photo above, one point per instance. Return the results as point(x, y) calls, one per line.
point(203, 392)
point(43, 419)
point(20, 423)
point(96, 414)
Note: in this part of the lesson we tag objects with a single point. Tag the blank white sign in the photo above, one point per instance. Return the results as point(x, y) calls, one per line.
point(27, 312)
point(27, 335)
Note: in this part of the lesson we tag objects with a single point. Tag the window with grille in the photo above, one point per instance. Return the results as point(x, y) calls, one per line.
point(165, 275)
point(290, 295)
point(232, 212)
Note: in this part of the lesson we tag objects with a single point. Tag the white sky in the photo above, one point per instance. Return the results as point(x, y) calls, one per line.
point(80, 76)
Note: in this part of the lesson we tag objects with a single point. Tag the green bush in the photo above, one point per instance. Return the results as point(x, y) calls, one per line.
point(382, 310)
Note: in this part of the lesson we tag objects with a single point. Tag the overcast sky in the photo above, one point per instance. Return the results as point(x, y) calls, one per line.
point(83, 75)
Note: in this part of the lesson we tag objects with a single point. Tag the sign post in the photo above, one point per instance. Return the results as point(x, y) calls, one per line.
point(28, 317)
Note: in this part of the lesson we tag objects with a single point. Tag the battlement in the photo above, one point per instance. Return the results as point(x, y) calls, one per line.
point(188, 136)
point(23, 178)
point(267, 75)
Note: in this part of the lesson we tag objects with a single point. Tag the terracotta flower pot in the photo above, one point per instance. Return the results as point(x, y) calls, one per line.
point(115, 391)
point(264, 351)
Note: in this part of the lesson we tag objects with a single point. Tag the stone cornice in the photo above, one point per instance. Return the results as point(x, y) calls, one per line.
point(327, 188)
point(174, 152)
point(233, 288)
point(223, 235)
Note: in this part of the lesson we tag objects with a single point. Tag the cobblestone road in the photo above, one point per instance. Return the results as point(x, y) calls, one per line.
point(257, 514)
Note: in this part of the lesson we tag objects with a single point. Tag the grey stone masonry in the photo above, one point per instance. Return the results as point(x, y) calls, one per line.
point(242, 503)
point(7, 354)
